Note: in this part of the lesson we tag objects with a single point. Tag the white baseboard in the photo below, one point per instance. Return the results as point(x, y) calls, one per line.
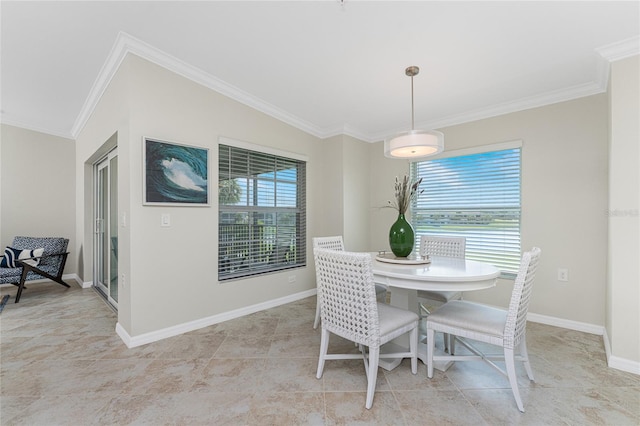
point(607, 345)
point(154, 336)
point(624, 364)
point(613, 361)
point(565, 323)
point(65, 277)
point(617, 362)
point(77, 279)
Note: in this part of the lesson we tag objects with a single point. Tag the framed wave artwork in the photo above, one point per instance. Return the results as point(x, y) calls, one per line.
point(174, 174)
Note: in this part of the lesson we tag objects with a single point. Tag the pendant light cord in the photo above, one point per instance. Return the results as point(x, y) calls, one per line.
point(412, 111)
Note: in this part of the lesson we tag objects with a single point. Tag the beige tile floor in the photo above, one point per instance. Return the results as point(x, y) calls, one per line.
point(63, 364)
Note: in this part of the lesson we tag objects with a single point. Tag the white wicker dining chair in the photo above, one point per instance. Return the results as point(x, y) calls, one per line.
point(505, 328)
point(336, 243)
point(349, 309)
point(445, 246)
point(432, 245)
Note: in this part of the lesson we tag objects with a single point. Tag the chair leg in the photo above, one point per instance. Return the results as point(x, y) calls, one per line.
point(20, 288)
point(316, 321)
point(372, 377)
point(324, 346)
point(59, 281)
point(525, 355)
point(425, 312)
point(509, 361)
point(23, 278)
point(413, 347)
point(431, 334)
point(452, 344)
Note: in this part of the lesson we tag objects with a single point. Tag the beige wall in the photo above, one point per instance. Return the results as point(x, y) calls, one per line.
point(344, 189)
point(356, 197)
point(37, 187)
point(382, 174)
point(564, 199)
point(107, 127)
point(328, 211)
point(161, 291)
point(623, 281)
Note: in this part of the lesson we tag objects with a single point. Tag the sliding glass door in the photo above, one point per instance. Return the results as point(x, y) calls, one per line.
point(106, 228)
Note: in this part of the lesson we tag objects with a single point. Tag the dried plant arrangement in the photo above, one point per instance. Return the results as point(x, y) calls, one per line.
point(406, 192)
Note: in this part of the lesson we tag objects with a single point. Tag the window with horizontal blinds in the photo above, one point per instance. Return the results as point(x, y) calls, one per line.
point(476, 196)
point(262, 217)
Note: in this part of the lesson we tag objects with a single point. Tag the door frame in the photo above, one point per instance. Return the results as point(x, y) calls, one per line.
point(105, 260)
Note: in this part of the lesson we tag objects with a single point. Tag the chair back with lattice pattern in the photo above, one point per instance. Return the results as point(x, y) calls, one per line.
point(519, 305)
point(331, 243)
point(432, 245)
point(348, 305)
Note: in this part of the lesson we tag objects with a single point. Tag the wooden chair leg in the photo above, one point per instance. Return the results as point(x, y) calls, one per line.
point(25, 270)
point(20, 288)
point(59, 281)
point(23, 277)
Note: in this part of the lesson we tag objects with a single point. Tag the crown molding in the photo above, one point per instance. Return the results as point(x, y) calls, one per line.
point(346, 130)
point(126, 44)
point(108, 70)
point(15, 123)
point(611, 53)
point(548, 98)
point(621, 49)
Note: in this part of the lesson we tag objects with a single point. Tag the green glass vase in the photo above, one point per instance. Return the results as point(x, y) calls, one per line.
point(401, 237)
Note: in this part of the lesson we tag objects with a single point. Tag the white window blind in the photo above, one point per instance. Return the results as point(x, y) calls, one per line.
point(476, 196)
point(262, 217)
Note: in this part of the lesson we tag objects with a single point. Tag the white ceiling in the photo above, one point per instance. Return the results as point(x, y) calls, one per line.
point(325, 67)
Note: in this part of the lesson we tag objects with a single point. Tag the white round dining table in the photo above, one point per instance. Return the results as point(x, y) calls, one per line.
point(440, 274)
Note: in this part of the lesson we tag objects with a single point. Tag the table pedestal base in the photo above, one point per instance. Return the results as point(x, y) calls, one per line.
point(407, 299)
point(391, 363)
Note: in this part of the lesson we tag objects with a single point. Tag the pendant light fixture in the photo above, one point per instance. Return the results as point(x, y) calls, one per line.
point(414, 144)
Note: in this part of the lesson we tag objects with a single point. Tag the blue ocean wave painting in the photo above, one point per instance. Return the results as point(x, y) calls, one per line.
point(175, 173)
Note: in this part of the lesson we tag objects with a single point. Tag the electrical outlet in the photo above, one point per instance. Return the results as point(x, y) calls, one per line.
point(122, 282)
point(563, 274)
point(292, 278)
point(165, 219)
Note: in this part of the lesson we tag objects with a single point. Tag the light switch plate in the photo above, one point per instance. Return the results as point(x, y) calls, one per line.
point(563, 274)
point(165, 219)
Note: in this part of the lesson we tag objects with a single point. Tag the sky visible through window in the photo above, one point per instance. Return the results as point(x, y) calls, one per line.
point(490, 179)
point(475, 196)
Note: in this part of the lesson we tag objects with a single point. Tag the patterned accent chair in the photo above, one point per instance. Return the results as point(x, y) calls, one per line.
point(51, 263)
